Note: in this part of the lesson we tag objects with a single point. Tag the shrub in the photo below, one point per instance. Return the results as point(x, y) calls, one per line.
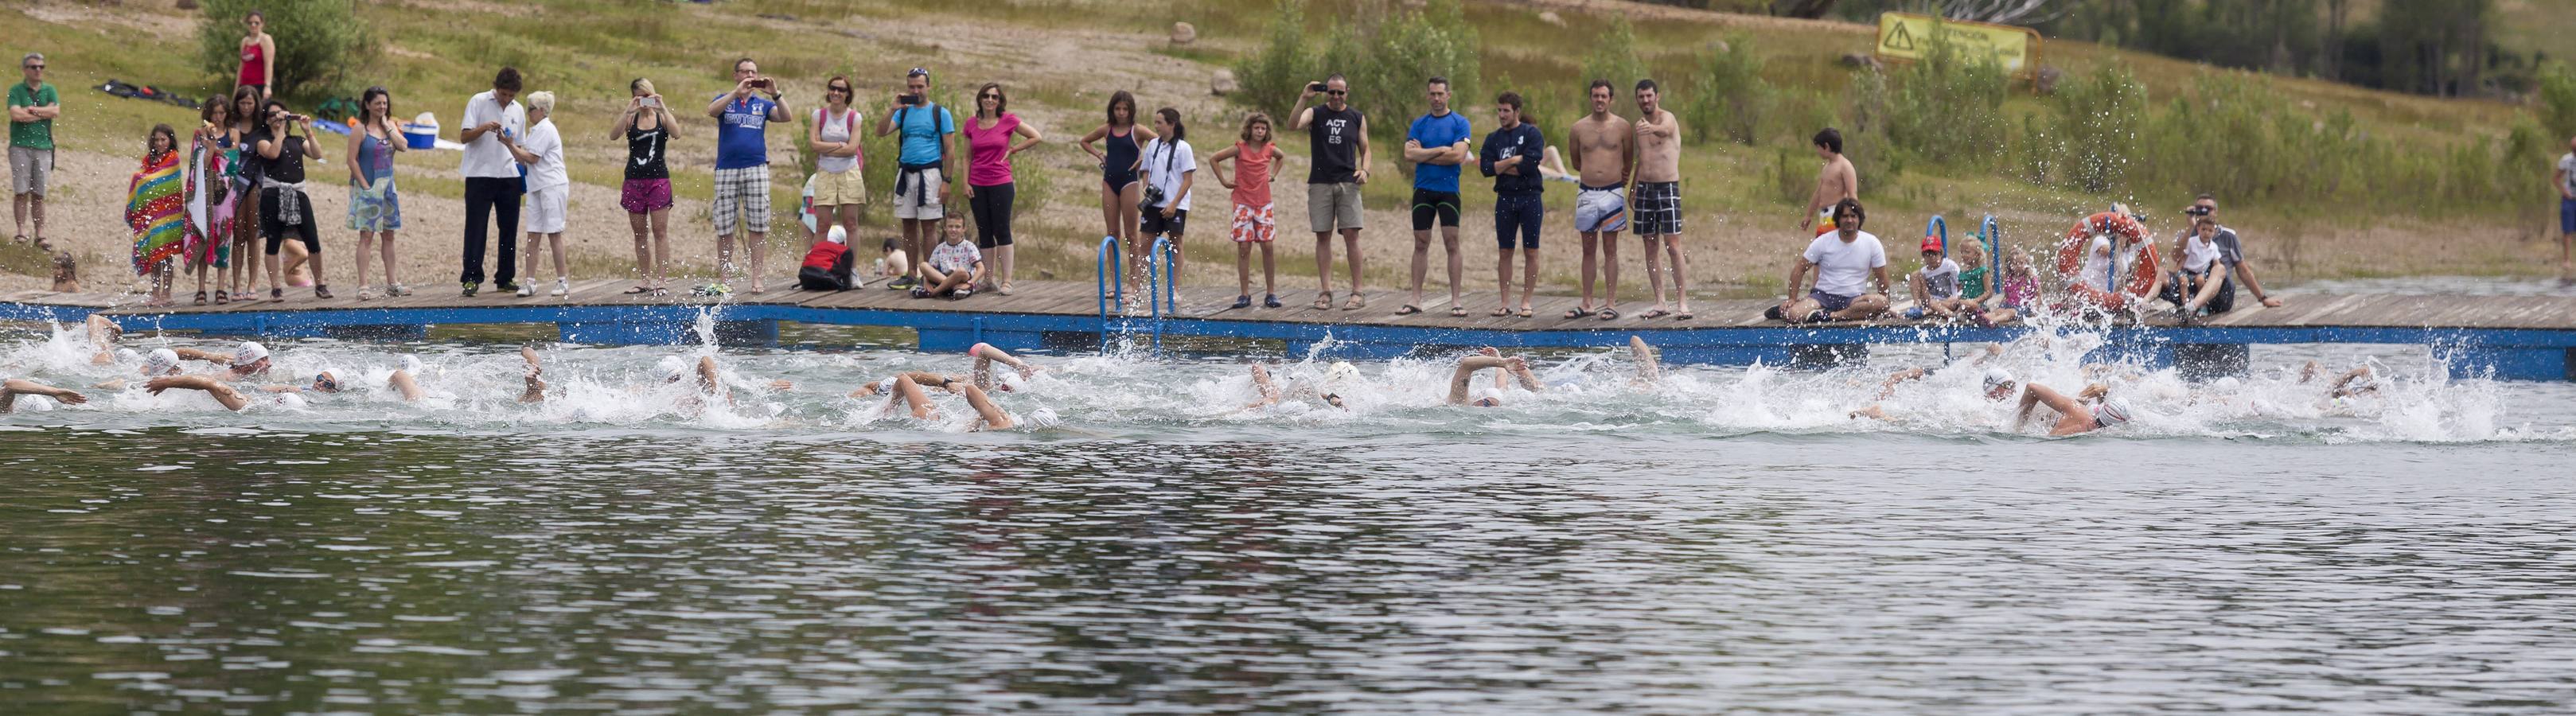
point(1614, 58)
point(317, 40)
point(2558, 100)
point(1947, 107)
point(1733, 101)
point(1273, 77)
point(1386, 64)
point(2096, 129)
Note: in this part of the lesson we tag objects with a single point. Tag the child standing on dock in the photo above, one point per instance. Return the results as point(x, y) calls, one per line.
point(1168, 170)
point(1255, 155)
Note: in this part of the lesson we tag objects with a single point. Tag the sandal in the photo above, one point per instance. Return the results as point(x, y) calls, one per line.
point(1457, 311)
point(1323, 300)
point(639, 290)
point(277, 294)
point(1004, 289)
point(1574, 313)
point(222, 298)
point(366, 294)
point(201, 298)
point(1609, 314)
point(396, 290)
point(322, 292)
point(19, 239)
point(1357, 302)
point(1501, 312)
point(1655, 313)
point(1682, 316)
point(1526, 312)
point(1407, 310)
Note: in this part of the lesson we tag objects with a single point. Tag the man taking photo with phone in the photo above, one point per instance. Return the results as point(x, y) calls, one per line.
point(742, 169)
point(921, 179)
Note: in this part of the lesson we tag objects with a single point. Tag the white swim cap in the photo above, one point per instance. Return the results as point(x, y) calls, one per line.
point(127, 355)
point(671, 367)
point(162, 362)
point(411, 363)
point(2226, 383)
point(1043, 417)
point(1998, 377)
point(837, 235)
point(1341, 371)
point(249, 352)
point(887, 386)
point(2112, 411)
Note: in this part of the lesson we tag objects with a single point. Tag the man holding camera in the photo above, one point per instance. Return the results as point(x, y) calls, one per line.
point(2231, 250)
point(921, 179)
point(742, 169)
point(1338, 136)
point(492, 179)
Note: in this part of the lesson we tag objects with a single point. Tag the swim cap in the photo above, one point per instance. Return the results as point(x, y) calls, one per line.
point(411, 363)
point(671, 367)
point(2111, 411)
point(249, 352)
point(2225, 383)
point(1997, 377)
point(837, 235)
point(887, 386)
point(162, 362)
point(127, 355)
point(1341, 371)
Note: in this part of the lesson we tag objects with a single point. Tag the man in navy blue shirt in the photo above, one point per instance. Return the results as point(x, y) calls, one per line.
point(1436, 145)
point(1511, 156)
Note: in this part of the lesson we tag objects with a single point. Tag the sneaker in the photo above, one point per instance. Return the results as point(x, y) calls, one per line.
point(526, 290)
point(902, 282)
point(1773, 313)
point(396, 290)
point(1243, 301)
point(562, 287)
point(471, 288)
point(919, 292)
point(1270, 300)
point(711, 289)
point(961, 292)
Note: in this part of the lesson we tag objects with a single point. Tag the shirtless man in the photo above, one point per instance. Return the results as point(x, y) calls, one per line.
point(232, 398)
point(2073, 417)
point(1835, 182)
point(1465, 375)
point(11, 388)
point(1659, 198)
point(402, 382)
point(1603, 153)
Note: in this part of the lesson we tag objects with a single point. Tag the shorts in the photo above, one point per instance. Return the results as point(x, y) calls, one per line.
point(644, 196)
point(1153, 223)
point(1254, 224)
point(1521, 215)
point(1824, 221)
point(2567, 216)
point(1830, 302)
point(1659, 208)
point(30, 170)
point(742, 200)
point(1333, 206)
point(275, 231)
point(382, 213)
point(907, 184)
point(2184, 285)
point(1601, 209)
point(545, 210)
point(1430, 206)
point(837, 189)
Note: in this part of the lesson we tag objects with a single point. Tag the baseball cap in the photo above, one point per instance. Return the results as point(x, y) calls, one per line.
point(837, 235)
point(1931, 244)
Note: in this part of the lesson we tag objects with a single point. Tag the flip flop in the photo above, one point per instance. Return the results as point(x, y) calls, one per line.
point(1526, 312)
point(1654, 314)
point(1408, 309)
point(1457, 311)
point(1573, 313)
point(639, 290)
point(1682, 316)
point(1609, 314)
point(1501, 312)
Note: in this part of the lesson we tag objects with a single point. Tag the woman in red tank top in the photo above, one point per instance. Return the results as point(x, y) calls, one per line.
point(259, 55)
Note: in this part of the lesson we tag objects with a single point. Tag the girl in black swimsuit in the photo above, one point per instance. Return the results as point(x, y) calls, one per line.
point(1119, 192)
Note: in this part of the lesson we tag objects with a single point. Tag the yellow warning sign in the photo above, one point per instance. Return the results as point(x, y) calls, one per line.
point(1908, 36)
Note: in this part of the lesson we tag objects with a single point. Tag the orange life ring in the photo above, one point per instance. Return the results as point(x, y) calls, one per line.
point(2144, 271)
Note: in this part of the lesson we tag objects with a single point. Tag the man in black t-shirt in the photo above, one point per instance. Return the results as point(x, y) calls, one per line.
point(1338, 136)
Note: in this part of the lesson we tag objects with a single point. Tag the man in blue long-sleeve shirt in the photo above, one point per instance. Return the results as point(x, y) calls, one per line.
point(1511, 156)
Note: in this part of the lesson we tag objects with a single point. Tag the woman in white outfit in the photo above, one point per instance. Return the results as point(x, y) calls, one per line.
point(548, 189)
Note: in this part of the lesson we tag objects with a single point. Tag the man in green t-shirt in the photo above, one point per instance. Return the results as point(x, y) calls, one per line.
point(32, 108)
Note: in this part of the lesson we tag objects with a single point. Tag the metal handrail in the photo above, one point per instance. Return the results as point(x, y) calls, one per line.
point(1111, 271)
point(1939, 228)
point(1161, 272)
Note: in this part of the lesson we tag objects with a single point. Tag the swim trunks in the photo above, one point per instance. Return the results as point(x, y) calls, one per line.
point(1601, 209)
point(1659, 208)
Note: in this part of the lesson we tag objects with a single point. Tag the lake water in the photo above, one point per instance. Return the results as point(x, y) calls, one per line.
point(1726, 540)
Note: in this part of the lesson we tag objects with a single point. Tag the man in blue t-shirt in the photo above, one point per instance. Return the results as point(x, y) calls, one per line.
point(1436, 145)
point(742, 169)
point(921, 176)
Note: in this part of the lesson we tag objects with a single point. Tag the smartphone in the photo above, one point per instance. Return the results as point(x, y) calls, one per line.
point(1314, 86)
point(762, 83)
point(909, 100)
point(651, 103)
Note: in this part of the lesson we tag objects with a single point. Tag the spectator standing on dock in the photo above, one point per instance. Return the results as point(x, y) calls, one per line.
point(646, 194)
point(2566, 183)
point(990, 188)
point(1169, 171)
point(1436, 145)
point(1511, 156)
point(1119, 157)
point(492, 184)
point(921, 160)
point(33, 105)
point(742, 169)
point(1605, 151)
point(244, 173)
point(549, 190)
point(1337, 134)
point(1256, 155)
point(1836, 181)
point(375, 210)
point(1658, 195)
point(258, 56)
point(1844, 262)
point(833, 136)
point(283, 206)
point(2231, 250)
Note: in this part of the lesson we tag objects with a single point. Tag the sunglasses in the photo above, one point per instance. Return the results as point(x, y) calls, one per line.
point(35, 67)
point(844, 89)
point(2198, 211)
point(991, 95)
point(1337, 93)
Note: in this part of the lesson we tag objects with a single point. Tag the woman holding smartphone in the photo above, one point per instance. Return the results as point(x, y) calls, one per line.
point(646, 196)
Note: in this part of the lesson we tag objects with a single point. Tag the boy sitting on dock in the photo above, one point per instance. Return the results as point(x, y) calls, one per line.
point(955, 264)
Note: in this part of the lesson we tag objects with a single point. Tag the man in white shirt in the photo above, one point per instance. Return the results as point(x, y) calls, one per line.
point(492, 184)
point(1845, 262)
point(2566, 184)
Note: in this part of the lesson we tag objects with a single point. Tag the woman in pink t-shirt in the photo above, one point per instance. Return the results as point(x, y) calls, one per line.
point(1255, 158)
point(989, 190)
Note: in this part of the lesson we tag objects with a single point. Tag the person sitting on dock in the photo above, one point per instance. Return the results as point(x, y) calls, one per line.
point(1843, 261)
point(954, 266)
point(2231, 250)
point(1461, 379)
point(828, 265)
point(2073, 415)
point(892, 263)
point(1937, 288)
point(11, 388)
point(2200, 284)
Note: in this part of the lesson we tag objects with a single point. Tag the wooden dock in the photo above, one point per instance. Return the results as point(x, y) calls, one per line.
point(2530, 338)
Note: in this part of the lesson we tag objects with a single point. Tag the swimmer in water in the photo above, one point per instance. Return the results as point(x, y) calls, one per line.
point(2353, 382)
point(902, 386)
point(534, 377)
point(2073, 416)
point(1998, 386)
point(248, 359)
point(1465, 375)
point(986, 355)
point(232, 398)
point(1650, 370)
point(709, 383)
point(165, 362)
point(103, 335)
point(401, 381)
point(1272, 395)
point(11, 388)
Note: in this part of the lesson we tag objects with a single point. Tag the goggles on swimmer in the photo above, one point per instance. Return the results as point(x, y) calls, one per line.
point(325, 383)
